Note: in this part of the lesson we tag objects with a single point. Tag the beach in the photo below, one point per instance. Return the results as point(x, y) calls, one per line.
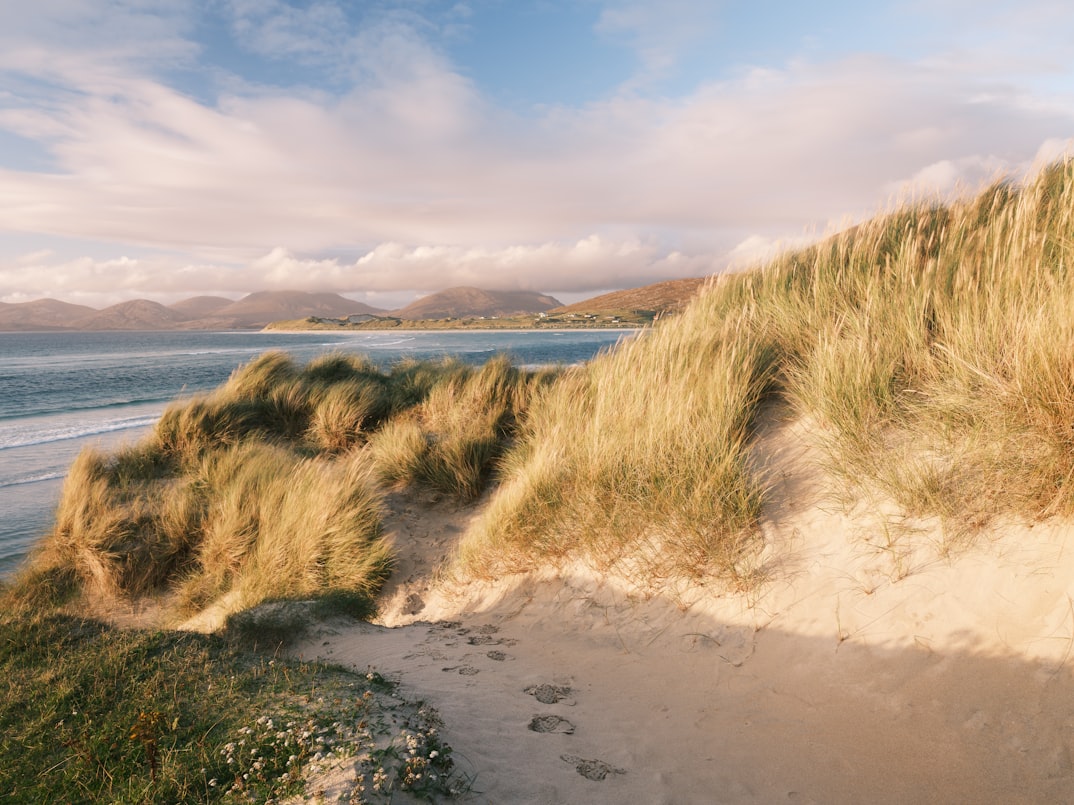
point(848, 675)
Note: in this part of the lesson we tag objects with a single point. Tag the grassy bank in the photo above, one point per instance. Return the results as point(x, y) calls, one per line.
point(89, 713)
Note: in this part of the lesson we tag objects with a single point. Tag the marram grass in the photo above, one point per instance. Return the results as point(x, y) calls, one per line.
point(270, 486)
point(638, 461)
point(933, 346)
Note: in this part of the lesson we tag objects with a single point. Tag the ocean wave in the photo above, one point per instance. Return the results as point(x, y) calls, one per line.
point(374, 344)
point(32, 479)
point(28, 435)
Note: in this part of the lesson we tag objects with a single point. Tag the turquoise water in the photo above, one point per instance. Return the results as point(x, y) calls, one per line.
point(62, 391)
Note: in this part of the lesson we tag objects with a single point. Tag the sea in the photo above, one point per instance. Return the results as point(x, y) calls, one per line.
point(60, 392)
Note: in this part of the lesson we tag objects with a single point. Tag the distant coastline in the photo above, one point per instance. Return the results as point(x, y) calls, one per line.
point(626, 321)
point(453, 309)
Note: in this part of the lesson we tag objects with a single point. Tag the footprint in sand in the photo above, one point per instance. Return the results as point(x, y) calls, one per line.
point(551, 724)
point(550, 694)
point(591, 769)
point(483, 636)
point(465, 670)
point(413, 605)
point(499, 656)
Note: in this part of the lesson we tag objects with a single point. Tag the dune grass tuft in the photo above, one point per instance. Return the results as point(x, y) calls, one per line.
point(451, 439)
point(637, 461)
point(281, 526)
point(937, 353)
point(268, 487)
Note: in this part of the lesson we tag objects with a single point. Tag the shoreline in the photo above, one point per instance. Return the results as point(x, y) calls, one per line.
point(436, 330)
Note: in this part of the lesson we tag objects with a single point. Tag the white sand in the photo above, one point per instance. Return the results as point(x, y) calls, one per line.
point(861, 671)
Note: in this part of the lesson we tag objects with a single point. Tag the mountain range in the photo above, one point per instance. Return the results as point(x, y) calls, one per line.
point(198, 313)
point(259, 309)
point(256, 310)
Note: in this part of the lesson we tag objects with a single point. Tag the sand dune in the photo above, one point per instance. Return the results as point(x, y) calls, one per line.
point(864, 669)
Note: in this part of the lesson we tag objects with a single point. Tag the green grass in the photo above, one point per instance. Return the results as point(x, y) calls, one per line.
point(94, 714)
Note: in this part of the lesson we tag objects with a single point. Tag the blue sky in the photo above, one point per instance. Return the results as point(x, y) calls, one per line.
point(382, 149)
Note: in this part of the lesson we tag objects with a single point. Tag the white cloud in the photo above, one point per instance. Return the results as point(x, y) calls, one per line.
point(428, 165)
point(53, 38)
point(414, 169)
point(591, 262)
point(659, 32)
point(314, 34)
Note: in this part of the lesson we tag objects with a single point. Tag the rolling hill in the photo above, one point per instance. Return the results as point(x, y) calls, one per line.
point(138, 314)
point(660, 297)
point(197, 313)
point(42, 314)
point(464, 301)
point(198, 307)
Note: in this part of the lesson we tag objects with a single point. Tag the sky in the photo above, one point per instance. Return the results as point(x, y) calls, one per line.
point(384, 149)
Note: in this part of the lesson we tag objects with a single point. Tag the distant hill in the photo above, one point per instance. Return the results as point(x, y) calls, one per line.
point(661, 297)
point(41, 314)
point(463, 302)
point(198, 307)
point(258, 309)
point(264, 307)
point(138, 314)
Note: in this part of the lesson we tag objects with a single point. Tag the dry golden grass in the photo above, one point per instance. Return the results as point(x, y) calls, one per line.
point(265, 488)
point(281, 526)
point(452, 439)
point(934, 345)
point(637, 461)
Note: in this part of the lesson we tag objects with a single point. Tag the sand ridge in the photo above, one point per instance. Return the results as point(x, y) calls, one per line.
point(861, 670)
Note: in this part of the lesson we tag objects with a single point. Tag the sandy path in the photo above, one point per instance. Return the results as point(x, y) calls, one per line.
point(857, 674)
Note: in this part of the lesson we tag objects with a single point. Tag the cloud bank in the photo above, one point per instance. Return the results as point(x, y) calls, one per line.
point(400, 161)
